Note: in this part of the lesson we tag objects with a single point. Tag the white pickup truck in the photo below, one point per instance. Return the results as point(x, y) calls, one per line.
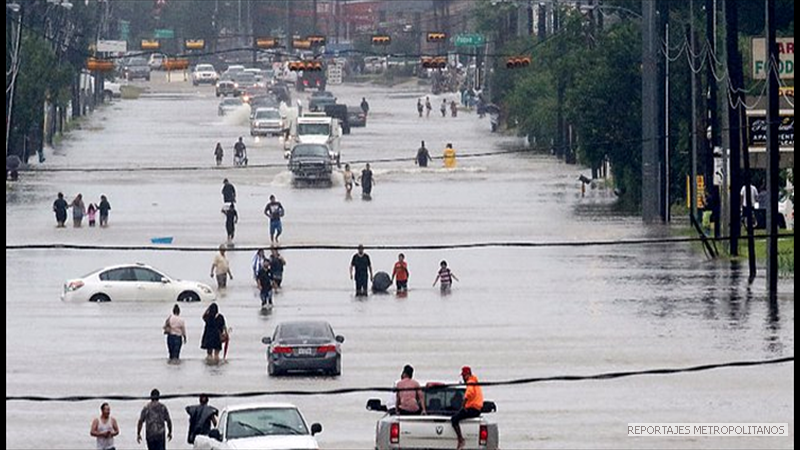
point(434, 431)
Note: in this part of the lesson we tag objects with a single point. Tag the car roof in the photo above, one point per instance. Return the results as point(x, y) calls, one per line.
point(122, 266)
point(270, 405)
point(266, 108)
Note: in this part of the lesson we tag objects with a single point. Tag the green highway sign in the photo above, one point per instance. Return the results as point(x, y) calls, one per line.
point(162, 33)
point(465, 40)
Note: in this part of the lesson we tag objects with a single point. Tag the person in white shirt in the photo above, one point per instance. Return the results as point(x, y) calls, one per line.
point(175, 329)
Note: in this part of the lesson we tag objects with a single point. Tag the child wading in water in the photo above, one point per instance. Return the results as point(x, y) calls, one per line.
point(91, 213)
point(445, 276)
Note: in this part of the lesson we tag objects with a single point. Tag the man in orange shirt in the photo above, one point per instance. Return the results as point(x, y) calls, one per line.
point(473, 403)
point(400, 272)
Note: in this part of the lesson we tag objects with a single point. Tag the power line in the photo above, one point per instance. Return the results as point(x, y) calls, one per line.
point(309, 247)
point(514, 382)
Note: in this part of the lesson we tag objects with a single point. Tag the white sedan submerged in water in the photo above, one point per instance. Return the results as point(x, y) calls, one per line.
point(264, 426)
point(134, 282)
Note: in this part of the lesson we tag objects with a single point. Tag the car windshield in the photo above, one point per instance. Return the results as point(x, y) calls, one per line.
point(232, 102)
point(322, 94)
point(314, 128)
point(268, 114)
point(137, 62)
point(265, 422)
point(306, 330)
point(205, 68)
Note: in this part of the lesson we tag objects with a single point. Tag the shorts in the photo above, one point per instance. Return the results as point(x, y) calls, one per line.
point(361, 283)
point(277, 279)
point(222, 280)
point(446, 286)
point(402, 285)
point(275, 227)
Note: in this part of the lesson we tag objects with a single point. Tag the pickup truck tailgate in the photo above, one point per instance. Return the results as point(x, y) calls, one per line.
point(426, 432)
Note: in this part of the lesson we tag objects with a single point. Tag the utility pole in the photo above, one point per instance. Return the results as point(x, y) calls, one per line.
point(314, 5)
point(289, 33)
point(773, 149)
point(542, 22)
point(711, 111)
point(665, 207)
point(695, 137)
point(735, 111)
point(14, 70)
point(651, 126)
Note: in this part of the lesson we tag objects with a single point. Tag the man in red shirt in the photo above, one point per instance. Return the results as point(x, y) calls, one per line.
point(473, 403)
point(400, 273)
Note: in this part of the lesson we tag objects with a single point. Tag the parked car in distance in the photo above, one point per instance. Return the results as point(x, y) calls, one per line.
point(204, 73)
point(134, 282)
point(266, 121)
point(137, 67)
point(433, 430)
point(157, 61)
point(356, 116)
point(265, 426)
point(225, 87)
point(305, 345)
point(228, 105)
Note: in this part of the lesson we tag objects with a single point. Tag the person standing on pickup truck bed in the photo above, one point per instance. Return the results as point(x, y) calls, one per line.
point(473, 403)
point(410, 401)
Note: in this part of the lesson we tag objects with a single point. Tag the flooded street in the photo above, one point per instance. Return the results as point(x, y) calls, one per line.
point(516, 312)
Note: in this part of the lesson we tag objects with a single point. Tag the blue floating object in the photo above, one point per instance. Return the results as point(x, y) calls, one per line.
point(162, 240)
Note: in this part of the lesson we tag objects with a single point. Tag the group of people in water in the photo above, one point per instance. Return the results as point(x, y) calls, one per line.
point(428, 107)
point(79, 209)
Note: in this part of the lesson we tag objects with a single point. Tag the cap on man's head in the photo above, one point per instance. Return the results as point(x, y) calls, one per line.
point(466, 371)
point(155, 394)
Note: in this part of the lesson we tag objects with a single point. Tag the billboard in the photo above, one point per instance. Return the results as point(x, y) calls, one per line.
point(759, 55)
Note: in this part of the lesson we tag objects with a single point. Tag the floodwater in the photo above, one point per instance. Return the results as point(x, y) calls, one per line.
point(515, 313)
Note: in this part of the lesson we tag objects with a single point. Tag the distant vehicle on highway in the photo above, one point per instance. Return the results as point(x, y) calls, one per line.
point(433, 430)
point(134, 282)
point(225, 87)
point(266, 121)
point(157, 61)
point(356, 116)
point(305, 345)
point(204, 73)
point(229, 105)
point(265, 426)
point(243, 81)
point(320, 99)
point(136, 67)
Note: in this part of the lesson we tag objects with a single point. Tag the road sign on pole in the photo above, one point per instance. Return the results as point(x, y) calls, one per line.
point(467, 40)
point(163, 33)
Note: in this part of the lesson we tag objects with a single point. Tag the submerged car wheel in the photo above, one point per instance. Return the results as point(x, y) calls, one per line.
point(272, 371)
point(100, 298)
point(188, 296)
point(337, 370)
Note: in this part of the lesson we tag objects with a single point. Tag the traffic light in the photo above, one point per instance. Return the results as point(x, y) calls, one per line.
point(301, 44)
point(316, 41)
point(518, 62)
point(176, 64)
point(438, 62)
point(194, 44)
point(381, 39)
point(309, 66)
point(150, 45)
point(435, 36)
point(267, 43)
point(99, 65)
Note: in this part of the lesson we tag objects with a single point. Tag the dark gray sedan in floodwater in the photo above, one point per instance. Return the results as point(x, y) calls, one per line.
point(306, 346)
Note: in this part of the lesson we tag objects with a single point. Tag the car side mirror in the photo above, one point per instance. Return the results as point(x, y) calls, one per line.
point(316, 428)
point(489, 407)
point(164, 280)
point(340, 339)
point(215, 434)
point(374, 404)
point(266, 340)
